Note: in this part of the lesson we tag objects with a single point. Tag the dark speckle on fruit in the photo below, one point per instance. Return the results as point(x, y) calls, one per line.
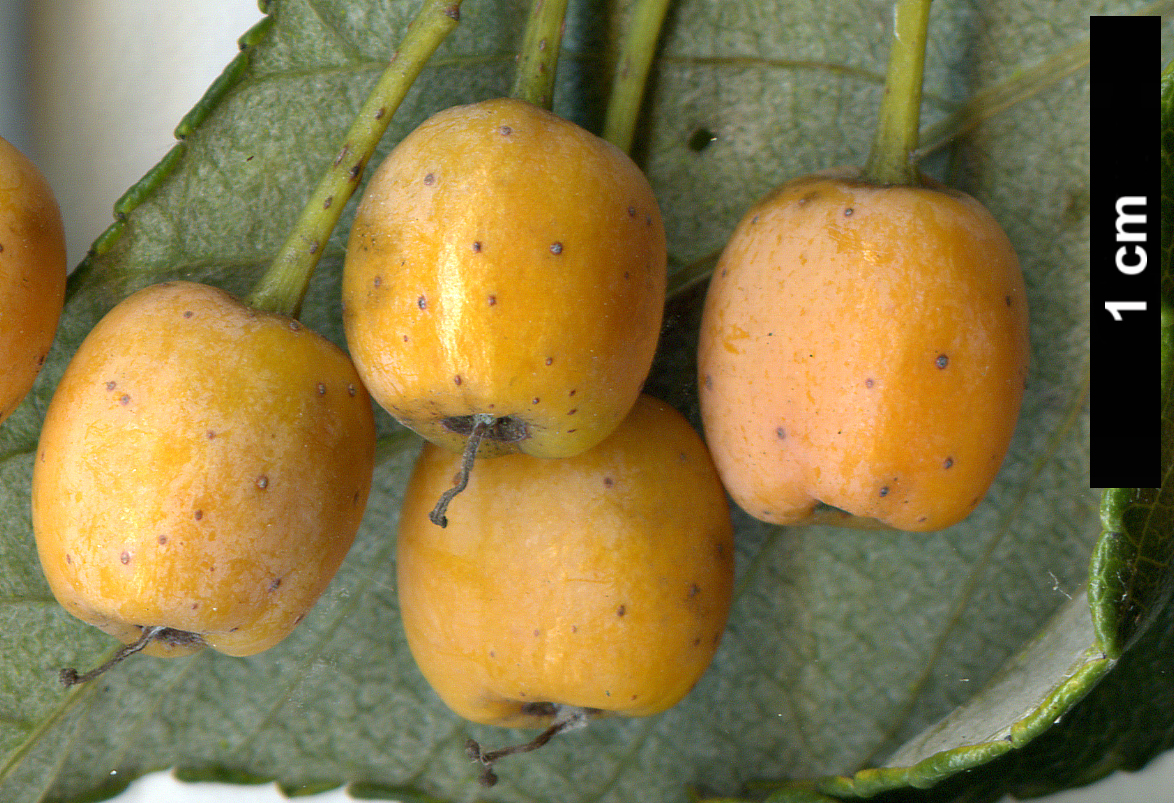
point(124, 400)
point(422, 302)
point(884, 491)
point(948, 462)
point(556, 248)
point(942, 361)
point(262, 482)
point(125, 558)
point(321, 389)
point(505, 130)
point(457, 379)
point(622, 610)
point(429, 179)
point(111, 386)
point(477, 248)
point(849, 212)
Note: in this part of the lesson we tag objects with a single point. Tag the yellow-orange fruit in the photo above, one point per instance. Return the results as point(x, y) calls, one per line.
point(32, 274)
point(203, 467)
point(601, 581)
point(505, 262)
point(865, 347)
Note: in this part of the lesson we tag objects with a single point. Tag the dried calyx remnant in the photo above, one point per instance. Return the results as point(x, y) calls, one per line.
point(566, 718)
point(479, 427)
point(167, 635)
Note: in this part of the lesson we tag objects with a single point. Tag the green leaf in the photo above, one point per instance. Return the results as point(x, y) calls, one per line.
point(947, 666)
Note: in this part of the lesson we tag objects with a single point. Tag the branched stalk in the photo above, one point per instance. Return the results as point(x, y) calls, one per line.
point(538, 58)
point(284, 285)
point(631, 78)
point(900, 113)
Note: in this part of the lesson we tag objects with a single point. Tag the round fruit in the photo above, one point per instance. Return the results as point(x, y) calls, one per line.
point(203, 467)
point(865, 347)
point(32, 274)
point(602, 581)
point(506, 263)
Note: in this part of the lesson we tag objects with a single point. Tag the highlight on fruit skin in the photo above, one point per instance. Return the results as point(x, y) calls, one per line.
point(203, 468)
point(863, 347)
point(32, 274)
point(600, 582)
point(508, 264)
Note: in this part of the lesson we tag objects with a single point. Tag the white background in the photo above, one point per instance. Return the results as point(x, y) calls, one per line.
point(91, 90)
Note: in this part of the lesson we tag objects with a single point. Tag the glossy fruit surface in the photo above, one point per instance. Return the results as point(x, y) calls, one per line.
point(601, 581)
point(865, 347)
point(32, 274)
point(204, 467)
point(506, 262)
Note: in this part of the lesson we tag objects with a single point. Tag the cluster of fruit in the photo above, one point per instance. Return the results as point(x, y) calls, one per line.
point(565, 546)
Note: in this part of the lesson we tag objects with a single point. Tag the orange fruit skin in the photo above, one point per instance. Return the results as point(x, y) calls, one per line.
point(32, 274)
point(504, 261)
point(864, 347)
point(203, 466)
point(602, 580)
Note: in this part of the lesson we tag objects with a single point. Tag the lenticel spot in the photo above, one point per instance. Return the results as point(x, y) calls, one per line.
point(942, 361)
point(556, 248)
point(262, 482)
